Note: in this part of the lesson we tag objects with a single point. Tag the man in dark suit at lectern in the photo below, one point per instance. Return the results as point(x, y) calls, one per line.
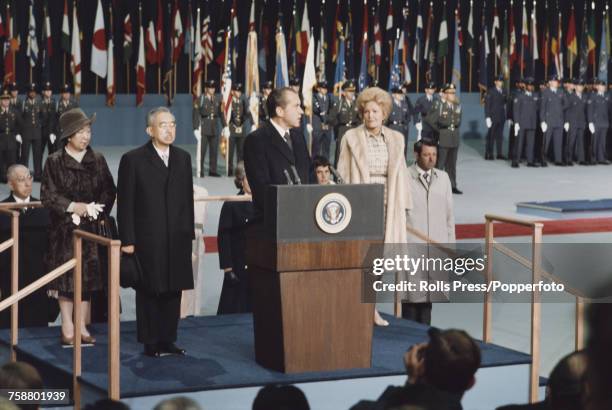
point(276, 153)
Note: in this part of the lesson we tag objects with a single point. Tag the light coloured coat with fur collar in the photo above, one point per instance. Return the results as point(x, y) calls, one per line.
point(353, 167)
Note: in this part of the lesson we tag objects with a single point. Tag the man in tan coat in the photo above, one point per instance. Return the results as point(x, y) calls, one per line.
point(431, 215)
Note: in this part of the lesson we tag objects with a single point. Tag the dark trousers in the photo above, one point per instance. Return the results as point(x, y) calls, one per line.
point(36, 145)
point(554, 135)
point(447, 161)
point(418, 312)
point(495, 139)
point(213, 142)
point(321, 141)
point(525, 137)
point(8, 156)
point(157, 316)
point(575, 144)
point(236, 143)
point(599, 144)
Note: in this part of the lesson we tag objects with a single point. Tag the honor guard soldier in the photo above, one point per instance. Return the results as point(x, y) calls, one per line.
point(552, 120)
point(321, 132)
point(525, 111)
point(295, 84)
point(237, 125)
point(33, 117)
point(399, 117)
point(344, 114)
point(268, 86)
point(206, 116)
point(16, 102)
point(48, 128)
point(10, 122)
point(64, 104)
point(575, 124)
point(423, 106)
point(495, 117)
point(598, 114)
point(445, 119)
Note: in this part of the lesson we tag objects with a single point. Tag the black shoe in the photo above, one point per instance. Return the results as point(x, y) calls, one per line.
point(213, 174)
point(559, 164)
point(583, 163)
point(488, 157)
point(515, 165)
point(533, 165)
point(456, 191)
point(592, 162)
point(171, 348)
point(501, 157)
point(604, 162)
point(151, 350)
point(544, 164)
point(569, 163)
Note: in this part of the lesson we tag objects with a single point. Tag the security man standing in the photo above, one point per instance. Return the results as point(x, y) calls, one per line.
point(445, 119)
point(321, 133)
point(48, 127)
point(64, 104)
point(423, 106)
point(598, 113)
point(344, 114)
point(575, 124)
point(399, 118)
point(237, 126)
point(10, 121)
point(33, 119)
point(525, 112)
point(495, 117)
point(206, 115)
point(15, 102)
point(267, 88)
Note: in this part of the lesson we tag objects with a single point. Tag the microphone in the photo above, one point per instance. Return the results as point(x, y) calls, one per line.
point(336, 175)
point(289, 181)
point(298, 181)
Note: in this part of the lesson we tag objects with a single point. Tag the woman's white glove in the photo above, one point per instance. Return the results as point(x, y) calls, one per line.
point(94, 209)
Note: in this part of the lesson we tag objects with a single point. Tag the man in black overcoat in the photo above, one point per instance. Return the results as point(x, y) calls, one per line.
point(156, 221)
point(37, 309)
point(274, 148)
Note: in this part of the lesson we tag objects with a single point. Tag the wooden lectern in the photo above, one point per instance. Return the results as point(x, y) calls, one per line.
point(307, 283)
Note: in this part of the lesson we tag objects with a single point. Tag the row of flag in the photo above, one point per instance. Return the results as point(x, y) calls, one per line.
point(412, 48)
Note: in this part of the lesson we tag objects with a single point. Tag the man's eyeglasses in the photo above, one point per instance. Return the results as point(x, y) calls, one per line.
point(24, 178)
point(166, 125)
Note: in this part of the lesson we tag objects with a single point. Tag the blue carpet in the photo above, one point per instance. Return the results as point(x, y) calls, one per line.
point(569, 206)
point(220, 355)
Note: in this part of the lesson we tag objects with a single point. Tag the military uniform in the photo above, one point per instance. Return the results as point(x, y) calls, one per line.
point(445, 119)
point(33, 118)
point(10, 122)
point(237, 126)
point(575, 115)
point(495, 109)
point(423, 106)
point(551, 113)
point(399, 117)
point(61, 107)
point(264, 115)
point(321, 133)
point(49, 118)
point(206, 115)
point(598, 113)
point(343, 116)
point(525, 112)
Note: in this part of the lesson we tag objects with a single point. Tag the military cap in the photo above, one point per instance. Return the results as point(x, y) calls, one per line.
point(294, 81)
point(65, 88)
point(12, 86)
point(5, 94)
point(349, 85)
point(396, 90)
point(268, 85)
point(599, 82)
point(322, 84)
point(579, 82)
point(499, 78)
point(210, 84)
point(554, 78)
point(32, 87)
point(431, 86)
point(448, 87)
point(528, 81)
point(237, 86)
point(47, 86)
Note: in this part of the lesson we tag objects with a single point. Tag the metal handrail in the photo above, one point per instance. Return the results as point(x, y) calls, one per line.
point(225, 198)
point(76, 264)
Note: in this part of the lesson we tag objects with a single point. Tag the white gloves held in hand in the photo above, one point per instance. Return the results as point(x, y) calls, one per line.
point(225, 133)
point(419, 126)
point(94, 209)
point(544, 126)
point(309, 128)
point(566, 126)
point(592, 128)
point(197, 134)
point(18, 138)
point(488, 122)
point(52, 138)
point(517, 128)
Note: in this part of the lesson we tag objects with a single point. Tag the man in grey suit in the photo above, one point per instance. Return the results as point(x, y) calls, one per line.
point(206, 115)
point(552, 120)
point(431, 214)
point(598, 113)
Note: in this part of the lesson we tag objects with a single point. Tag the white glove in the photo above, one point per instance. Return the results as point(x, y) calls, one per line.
point(197, 134)
point(517, 128)
point(488, 122)
point(566, 126)
point(592, 128)
point(544, 126)
point(225, 133)
point(76, 219)
point(18, 138)
point(510, 122)
point(419, 126)
point(94, 209)
point(309, 128)
point(52, 138)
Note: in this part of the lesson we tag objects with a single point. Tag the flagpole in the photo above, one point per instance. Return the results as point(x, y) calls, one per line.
point(522, 45)
point(569, 58)
point(470, 54)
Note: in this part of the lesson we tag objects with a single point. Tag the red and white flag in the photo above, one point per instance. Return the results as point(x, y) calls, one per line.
point(98, 47)
point(140, 70)
point(151, 44)
point(197, 61)
point(75, 59)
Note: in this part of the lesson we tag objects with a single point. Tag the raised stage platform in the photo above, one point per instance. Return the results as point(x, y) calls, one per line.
point(220, 360)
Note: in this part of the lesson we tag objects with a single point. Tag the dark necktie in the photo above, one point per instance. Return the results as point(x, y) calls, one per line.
point(426, 177)
point(287, 139)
